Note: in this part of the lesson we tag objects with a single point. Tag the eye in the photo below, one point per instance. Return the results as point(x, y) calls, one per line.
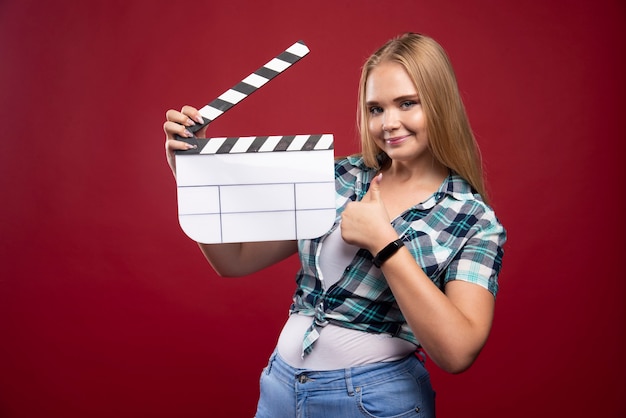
point(407, 104)
point(375, 110)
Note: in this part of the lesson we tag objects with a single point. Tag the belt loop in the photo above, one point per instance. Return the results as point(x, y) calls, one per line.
point(349, 382)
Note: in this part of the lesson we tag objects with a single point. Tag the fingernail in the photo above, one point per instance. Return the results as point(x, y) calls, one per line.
point(199, 119)
point(190, 146)
point(188, 134)
point(189, 122)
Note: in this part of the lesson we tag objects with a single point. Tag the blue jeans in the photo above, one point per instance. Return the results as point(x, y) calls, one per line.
point(382, 390)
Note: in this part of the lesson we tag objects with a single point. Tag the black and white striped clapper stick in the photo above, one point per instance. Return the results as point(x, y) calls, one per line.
point(250, 84)
point(256, 144)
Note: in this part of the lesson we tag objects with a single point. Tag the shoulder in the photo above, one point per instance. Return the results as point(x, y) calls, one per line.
point(479, 234)
point(351, 163)
point(463, 202)
point(352, 168)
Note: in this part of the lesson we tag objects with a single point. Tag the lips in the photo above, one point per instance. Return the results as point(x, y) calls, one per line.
point(396, 140)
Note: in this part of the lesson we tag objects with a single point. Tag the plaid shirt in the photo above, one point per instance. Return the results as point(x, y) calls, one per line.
point(453, 236)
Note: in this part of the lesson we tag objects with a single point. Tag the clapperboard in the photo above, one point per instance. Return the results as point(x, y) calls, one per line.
point(265, 188)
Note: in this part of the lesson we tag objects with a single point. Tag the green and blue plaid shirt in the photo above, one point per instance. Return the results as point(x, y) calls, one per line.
point(452, 235)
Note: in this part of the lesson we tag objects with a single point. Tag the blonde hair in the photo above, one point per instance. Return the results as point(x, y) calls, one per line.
point(450, 136)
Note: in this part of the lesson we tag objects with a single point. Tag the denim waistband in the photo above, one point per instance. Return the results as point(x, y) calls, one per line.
point(347, 379)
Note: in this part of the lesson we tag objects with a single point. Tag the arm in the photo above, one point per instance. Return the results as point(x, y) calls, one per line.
point(452, 326)
point(240, 259)
point(228, 260)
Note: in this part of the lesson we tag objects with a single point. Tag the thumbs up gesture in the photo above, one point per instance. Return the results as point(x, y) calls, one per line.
point(366, 223)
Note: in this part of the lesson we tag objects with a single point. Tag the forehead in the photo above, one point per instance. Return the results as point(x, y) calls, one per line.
point(387, 81)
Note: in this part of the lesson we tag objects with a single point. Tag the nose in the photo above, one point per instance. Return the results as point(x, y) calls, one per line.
point(390, 121)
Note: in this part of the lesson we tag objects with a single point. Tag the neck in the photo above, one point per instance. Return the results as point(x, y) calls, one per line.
point(405, 185)
point(427, 172)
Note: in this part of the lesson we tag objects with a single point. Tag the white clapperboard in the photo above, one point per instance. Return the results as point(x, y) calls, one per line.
point(239, 189)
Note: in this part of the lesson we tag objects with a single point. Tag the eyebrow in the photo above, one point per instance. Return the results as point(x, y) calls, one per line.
point(397, 99)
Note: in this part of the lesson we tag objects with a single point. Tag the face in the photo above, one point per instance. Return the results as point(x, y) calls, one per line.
point(395, 118)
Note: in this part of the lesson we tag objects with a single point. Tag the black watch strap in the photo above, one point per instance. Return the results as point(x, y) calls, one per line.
point(387, 252)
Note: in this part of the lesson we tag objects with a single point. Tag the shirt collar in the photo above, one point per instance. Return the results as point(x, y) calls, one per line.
point(457, 187)
point(453, 185)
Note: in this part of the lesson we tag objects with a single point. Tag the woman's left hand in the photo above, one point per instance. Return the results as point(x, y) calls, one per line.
point(366, 223)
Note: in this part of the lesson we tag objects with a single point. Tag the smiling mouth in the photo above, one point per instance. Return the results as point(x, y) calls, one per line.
point(396, 140)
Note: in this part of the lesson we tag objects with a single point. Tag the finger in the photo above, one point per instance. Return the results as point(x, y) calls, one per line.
point(172, 145)
point(374, 190)
point(179, 117)
point(172, 129)
point(192, 113)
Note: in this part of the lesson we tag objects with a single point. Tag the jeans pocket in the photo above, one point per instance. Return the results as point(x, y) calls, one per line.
point(398, 397)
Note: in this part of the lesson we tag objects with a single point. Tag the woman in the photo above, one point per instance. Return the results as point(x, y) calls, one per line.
point(410, 264)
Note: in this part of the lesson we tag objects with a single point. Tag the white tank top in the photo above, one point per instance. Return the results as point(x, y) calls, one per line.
point(337, 347)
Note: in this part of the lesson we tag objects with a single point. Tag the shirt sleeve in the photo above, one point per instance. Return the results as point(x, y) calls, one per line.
point(480, 259)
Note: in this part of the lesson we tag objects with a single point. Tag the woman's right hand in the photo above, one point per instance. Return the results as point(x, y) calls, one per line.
point(177, 123)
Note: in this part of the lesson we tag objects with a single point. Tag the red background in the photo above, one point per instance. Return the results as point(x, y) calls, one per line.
point(108, 310)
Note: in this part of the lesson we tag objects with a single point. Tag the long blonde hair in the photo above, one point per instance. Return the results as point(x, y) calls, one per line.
point(450, 136)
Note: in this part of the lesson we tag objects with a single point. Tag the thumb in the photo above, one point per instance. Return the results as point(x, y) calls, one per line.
point(374, 190)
